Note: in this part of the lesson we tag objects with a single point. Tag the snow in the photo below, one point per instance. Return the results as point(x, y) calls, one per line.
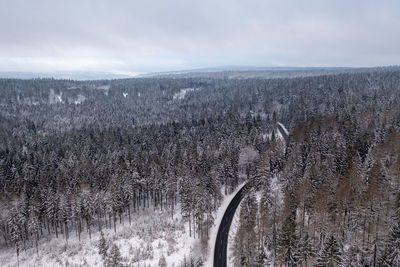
point(106, 88)
point(103, 87)
point(182, 93)
point(54, 98)
point(214, 230)
point(248, 155)
point(80, 99)
point(284, 128)
point(152, 234)
point(279, 134)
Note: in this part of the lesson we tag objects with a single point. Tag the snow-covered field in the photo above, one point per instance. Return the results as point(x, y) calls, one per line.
point(151, 234)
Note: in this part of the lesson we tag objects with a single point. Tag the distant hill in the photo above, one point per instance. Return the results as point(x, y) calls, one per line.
point(73, 75)
point(250, 72)
point(225, 72)
point(245, 72)
point(241, 68)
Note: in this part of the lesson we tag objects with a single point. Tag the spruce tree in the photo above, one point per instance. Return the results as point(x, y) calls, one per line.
point(162, 262)
point(391, 253)
point(114, 259)
point(330, 255)
point(103, 246)
point(306, 250)
point(288, 241)
point(245, 246)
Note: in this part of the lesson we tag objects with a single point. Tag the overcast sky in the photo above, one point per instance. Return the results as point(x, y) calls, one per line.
point(146, 36)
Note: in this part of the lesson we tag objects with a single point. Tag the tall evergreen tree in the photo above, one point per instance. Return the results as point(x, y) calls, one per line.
point(306, 251)
point(246, 245)
point(330, 255)
point(114, 258)
point(391, 253)
point(103, 246)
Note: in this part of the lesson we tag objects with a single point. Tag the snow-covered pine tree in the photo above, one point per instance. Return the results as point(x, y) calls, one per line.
point(103, 246)
point(330, 255)
point(114, 258)
point(262, 259)
point(265, 218)
point(33, 224)
point(52, 209)
point(186, 187)
point(162, 262)
point(352, 256)
point(65, 215)
point(263, 174)
point(87, 209)
point(15, 232)
point(288, 241)
point(391, 253)
point(245, 247)
point(171, 187)
point(306, 251)
point(229, 176)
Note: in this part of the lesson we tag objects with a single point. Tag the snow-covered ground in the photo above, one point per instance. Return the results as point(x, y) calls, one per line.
point(105, 88)
point(284, 128)
point(54, 98)
point(80, 99)
point(182, 93)
point(152, 234)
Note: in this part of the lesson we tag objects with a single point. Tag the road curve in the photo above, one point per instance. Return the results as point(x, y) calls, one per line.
point(221, 242)
point(282, 131)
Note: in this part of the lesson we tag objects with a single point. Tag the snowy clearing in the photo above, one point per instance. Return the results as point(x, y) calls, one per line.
point(80, 99)
point(151, 235)
point(182, 93)
point(55, 98)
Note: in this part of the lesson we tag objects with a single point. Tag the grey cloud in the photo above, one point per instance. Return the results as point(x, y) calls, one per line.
point(161, 35)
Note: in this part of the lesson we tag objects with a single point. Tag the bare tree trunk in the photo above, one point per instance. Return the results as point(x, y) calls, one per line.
point(115, 220)
point(190, 230)
point(129, 214)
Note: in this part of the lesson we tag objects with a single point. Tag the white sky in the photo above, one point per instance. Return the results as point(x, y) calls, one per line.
point(148, 35)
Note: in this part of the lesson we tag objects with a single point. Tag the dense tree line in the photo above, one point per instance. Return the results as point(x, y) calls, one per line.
point(82, 156)
point(340, 190)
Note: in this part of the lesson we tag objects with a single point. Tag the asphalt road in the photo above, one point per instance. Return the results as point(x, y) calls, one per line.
point(221, 242)
point(282, 131)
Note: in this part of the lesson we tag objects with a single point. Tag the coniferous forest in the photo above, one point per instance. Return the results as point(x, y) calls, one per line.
point(84, 156)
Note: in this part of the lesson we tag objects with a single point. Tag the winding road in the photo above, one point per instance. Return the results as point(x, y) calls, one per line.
point(221, 242)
